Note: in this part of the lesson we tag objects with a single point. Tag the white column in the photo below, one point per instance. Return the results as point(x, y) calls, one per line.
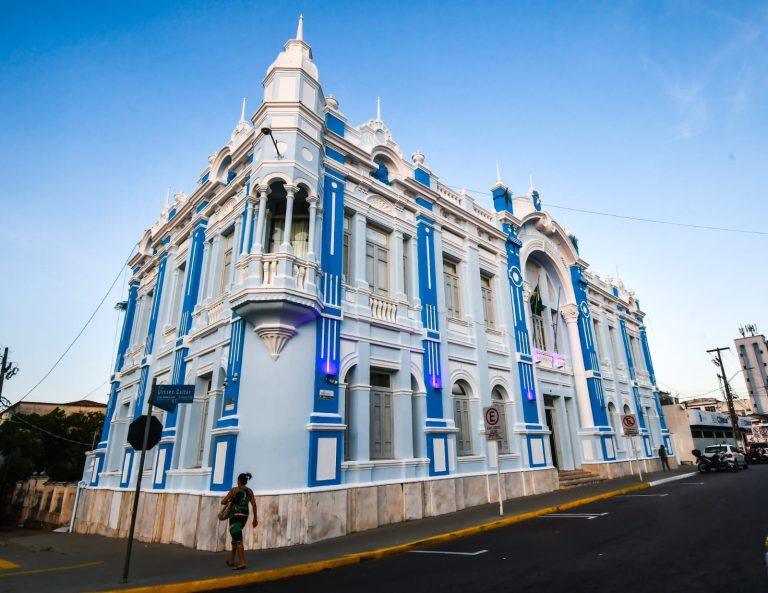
point(396, 275)
point(312, 222)
point(358, 244)
point(258, 245)
point(286, 247)
point(248, 224)
point(214, 268)
point(571, 315)
point(413, 270)
point(206, 270)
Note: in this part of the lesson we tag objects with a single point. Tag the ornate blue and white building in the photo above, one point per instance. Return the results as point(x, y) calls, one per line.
point(344, 318)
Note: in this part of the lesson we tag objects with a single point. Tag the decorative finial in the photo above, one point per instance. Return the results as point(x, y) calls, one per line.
point(331, 101)
point(300, 29)
point(498, 173)
point(378, 108)
point(418, 157)
point(242, 111)
point(530, 183)
point(168, 197)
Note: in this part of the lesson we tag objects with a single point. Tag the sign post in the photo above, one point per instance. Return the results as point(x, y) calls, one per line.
point(629, 424)
point(493, 433)
point(166, 397)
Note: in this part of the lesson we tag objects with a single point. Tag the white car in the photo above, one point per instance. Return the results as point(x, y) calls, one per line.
point(730, 452)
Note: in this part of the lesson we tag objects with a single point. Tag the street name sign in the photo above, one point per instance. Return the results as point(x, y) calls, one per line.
point(166, 397)
point(629, 423)
point(492, 417)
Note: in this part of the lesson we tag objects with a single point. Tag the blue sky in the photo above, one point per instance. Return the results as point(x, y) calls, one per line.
point(645, 109)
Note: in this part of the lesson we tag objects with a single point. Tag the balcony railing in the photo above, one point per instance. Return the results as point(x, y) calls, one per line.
point(550, 360)
point(383, 309)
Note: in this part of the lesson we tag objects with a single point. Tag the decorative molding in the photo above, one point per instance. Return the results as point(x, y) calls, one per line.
point(275, 337)
point(570, 313)
point(379, 203)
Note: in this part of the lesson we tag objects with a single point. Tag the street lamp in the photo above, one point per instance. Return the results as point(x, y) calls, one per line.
point(268, 132)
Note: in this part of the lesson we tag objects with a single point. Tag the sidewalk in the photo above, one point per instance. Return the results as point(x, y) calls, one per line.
point(69, 562)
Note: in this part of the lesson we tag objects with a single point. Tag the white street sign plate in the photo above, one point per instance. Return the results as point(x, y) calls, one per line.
point(629, 423)
point(492, 417)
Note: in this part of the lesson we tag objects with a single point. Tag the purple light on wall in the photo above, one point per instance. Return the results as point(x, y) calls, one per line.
point(435, 381)
point(531, 395)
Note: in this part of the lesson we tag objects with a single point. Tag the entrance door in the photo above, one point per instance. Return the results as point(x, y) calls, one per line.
point(548, 413)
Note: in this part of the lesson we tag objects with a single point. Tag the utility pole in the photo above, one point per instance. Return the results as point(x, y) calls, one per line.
point(7, 370)
point(728, 396)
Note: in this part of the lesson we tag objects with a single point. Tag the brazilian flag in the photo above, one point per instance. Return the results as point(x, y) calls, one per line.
point(537, 305)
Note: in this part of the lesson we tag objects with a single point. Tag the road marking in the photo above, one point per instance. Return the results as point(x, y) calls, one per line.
point(643, 495)
point(6, 564)
point(687, 484)
point(56, 569)
point(449, 553)
point(576, 515)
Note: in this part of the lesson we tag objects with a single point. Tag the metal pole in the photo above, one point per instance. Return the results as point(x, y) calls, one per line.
point(138, 489)
point(3, 369)
point(498, 480)
point(80, 485)
point(728, 396)
point(637, 456)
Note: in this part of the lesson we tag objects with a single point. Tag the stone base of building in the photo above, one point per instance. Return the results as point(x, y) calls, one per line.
point(40, 504)
point(618, 469)
point(296, 518)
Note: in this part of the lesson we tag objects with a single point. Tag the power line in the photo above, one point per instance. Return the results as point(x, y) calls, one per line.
point(17, 418)
point(636, 218)
point(87, 323)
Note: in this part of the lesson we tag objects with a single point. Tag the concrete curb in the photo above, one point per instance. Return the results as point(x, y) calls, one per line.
point(672, 479)
point(275, 574)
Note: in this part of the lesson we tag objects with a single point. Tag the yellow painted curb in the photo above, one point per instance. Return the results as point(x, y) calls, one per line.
point(295, 570)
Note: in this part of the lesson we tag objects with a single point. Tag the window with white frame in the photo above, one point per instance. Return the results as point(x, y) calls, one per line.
point(406, 245)
point(377, 260)
point(486, 292)
point(227, 257)
point(596, 332)
point(345, 278)
point(614, 345)
point(204, 409)
point(462, 418)
point(382, 446)
point(146, 314)
point(452, 287)
point(497, 398)
point(636, 354)
point(178, 294)
point(613, 418)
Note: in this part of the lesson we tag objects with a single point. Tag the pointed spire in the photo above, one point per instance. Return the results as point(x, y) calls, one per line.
point(498, 174)
point(300, 29)
point(242, 111)
point(378, 108)
point(168, 197)
point(530, 184)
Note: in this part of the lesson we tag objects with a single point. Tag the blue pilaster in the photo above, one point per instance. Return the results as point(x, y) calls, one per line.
point(635, 390)
point(522, 337)
point(326, 434)
point(652, 374)
point(437, 438)
point(589, 351)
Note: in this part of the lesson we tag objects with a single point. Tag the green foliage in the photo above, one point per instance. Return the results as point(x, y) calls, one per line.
point(53, 444)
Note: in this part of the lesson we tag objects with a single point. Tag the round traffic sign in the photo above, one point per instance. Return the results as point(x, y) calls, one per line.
point(491, 416)
point(628, 421)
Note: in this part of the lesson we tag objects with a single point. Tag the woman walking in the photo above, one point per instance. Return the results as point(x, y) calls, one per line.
point(240, 496)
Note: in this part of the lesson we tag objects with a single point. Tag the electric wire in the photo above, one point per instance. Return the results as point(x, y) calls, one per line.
point(82, 330)
point(635, 218)
point(18, 419)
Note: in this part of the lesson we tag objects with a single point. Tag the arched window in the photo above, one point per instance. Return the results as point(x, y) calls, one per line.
point(223, 173)
point(613, 418)
point(461, 416)
point(497, 398)
point(276, 210)
point(348, 413)
point(382, 421)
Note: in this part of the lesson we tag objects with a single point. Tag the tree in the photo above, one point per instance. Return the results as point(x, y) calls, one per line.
point(53, 444)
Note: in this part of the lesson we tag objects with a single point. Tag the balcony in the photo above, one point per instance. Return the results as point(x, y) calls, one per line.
point(276, 293)
point(549, 360)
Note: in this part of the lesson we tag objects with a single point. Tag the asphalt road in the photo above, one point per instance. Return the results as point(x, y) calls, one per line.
point(703, 534)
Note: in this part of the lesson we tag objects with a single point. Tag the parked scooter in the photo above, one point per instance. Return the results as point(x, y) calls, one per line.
point(717, 462)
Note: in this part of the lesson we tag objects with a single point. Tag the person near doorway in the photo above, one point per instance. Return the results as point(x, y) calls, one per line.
point(240, 496)
point(663, 458)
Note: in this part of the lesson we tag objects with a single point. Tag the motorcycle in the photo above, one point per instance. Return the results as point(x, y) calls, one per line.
point(717, 462)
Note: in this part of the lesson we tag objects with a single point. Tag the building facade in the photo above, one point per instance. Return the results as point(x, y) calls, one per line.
point(753, 356)
point(345, 317)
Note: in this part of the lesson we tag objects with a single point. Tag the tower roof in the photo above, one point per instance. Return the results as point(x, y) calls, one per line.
point(297, 54)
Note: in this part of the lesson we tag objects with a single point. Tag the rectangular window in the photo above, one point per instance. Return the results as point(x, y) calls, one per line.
point(598, 338)
point(486, 290)
point(539, 336)
point(345, 250)
point(178, 295)
point(226, 261)
point(381, 417)
point(146, 314)
point(614, 345)
point(555, 330)
point(636, 355)
point(377, 261)
point(464, 435)
point(204, 407)
point(451, 279)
